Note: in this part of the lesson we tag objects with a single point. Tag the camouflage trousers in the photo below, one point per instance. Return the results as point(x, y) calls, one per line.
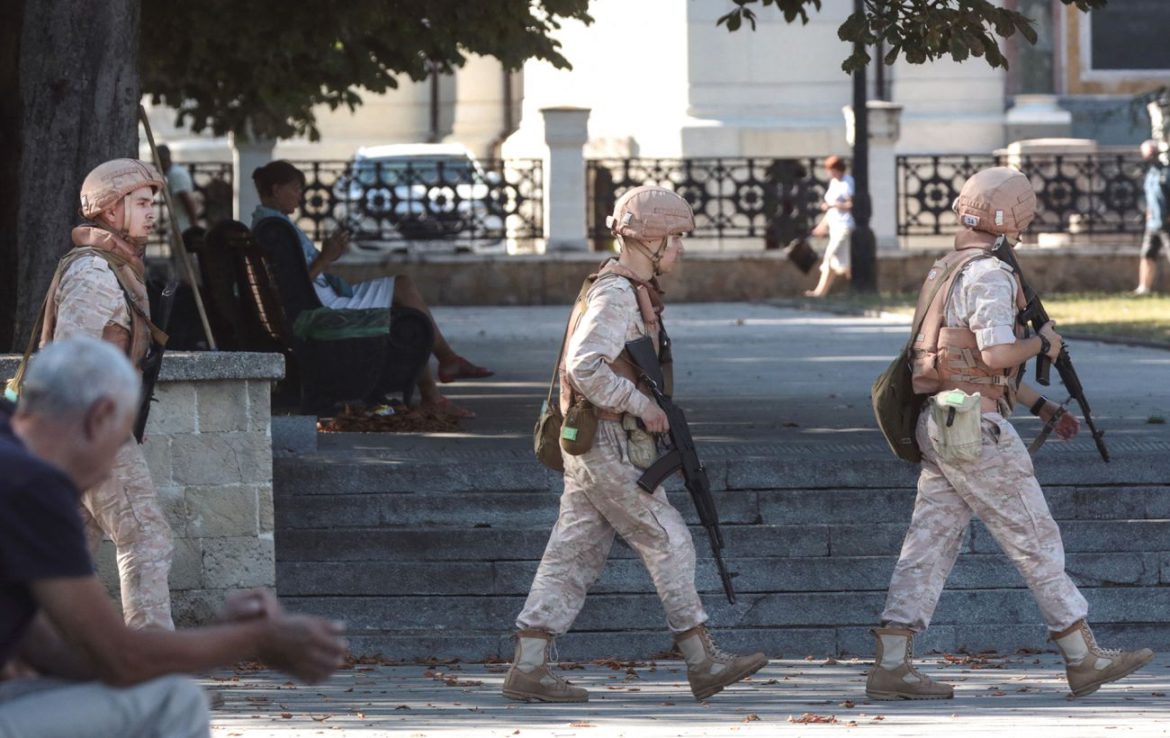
point(1001, 489)
point(602, 498)
point(126, 508)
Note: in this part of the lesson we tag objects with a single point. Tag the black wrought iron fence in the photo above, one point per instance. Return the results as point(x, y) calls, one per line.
point(733, 198)
point(212, 181)
point(1086, 193)
point(390, 205)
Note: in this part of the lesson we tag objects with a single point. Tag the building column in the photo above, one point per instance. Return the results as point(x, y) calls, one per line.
point(884, 130)
point(247, 155)
point(479, 115)
point(565, 133)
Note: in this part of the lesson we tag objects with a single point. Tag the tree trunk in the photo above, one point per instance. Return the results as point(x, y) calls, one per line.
point(76, 106)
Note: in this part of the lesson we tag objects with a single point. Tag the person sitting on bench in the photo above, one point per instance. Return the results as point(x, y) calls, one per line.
point(281, 186)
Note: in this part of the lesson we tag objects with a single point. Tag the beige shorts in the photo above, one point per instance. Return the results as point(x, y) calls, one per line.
point(837, 253)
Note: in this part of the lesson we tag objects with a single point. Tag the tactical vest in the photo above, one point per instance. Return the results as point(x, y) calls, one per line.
point(142, 330)
point(645, 292)
point(945, 358)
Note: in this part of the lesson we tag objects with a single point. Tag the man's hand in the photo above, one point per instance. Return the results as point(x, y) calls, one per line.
point(306, 647)
point(655, 420)
point(1066, 427)
point(1048, 330)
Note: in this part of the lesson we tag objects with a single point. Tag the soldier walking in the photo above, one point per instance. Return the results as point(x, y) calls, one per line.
point(968, 351)
point(601, 496)
point(99, 290)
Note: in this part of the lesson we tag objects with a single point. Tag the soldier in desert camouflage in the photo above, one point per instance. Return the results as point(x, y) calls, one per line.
point(99, 290)
point(968, 351)
point(601, 496)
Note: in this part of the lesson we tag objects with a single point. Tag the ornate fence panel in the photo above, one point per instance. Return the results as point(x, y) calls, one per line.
point(213, 201)
point(927, 185)
point(1087, 193)
point(392, 205)
point(735, 198)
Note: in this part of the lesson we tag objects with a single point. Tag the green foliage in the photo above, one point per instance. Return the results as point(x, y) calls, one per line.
point(919, 30)
point(260, 66)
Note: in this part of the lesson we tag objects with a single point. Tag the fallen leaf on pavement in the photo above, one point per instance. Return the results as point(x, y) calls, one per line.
point(812, 717)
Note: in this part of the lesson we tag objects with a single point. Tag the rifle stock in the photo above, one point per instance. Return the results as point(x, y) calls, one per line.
point(1036, 316)
point(682, 456)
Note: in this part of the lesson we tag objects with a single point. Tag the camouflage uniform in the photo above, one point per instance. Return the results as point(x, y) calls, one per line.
point(89, 301)
point(601, 496)
point(1000, 487)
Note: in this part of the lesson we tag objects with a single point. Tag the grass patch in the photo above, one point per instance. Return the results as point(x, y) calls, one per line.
point(1118, 316)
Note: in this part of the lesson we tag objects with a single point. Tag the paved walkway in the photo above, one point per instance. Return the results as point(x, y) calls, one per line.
point(1024, 695)
point(751, 373)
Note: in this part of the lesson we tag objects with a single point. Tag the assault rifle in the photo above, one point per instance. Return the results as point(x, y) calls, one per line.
point(1036, 316)
point(681, 456)
point(152, 362)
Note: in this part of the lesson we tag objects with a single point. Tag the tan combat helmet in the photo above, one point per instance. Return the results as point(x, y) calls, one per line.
point(650, 214)
point(110, 182)
point(998, 200)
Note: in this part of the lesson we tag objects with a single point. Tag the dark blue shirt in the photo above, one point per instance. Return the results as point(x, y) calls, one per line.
point(41, 533)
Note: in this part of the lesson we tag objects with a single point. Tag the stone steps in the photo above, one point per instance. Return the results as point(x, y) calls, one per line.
point(792, 507)
point(624, 575)
point(425, 559)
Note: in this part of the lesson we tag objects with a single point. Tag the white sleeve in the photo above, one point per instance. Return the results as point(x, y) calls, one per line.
point(990, 305)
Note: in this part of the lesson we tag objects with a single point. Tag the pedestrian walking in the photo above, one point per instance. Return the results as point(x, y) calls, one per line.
point(601, 497)
point(1154, 238)
point(969, 355)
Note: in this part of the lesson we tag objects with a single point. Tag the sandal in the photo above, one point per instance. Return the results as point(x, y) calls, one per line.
point(444, 406)
point(460, 368)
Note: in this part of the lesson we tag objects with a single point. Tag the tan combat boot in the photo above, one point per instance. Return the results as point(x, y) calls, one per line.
point(893, 676)
point(1088, 665)
point(709, 670)
point(530, 677)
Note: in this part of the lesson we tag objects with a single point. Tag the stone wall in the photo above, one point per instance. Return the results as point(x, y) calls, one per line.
point(551, 279)
point(209, 446)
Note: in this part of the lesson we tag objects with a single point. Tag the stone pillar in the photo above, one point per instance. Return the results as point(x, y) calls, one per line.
point(247, 155)
point(884, 131)
point(565, 132)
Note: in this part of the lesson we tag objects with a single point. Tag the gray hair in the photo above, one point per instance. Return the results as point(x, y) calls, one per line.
point(66, 378)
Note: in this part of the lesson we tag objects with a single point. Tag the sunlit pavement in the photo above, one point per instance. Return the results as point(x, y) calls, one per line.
point(1021, 695)
point(749, 372)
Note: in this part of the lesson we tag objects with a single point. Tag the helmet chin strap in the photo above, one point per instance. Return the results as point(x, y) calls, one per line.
point(654, 256)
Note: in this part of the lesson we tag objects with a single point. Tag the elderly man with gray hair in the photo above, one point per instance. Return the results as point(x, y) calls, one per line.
point(101, 678)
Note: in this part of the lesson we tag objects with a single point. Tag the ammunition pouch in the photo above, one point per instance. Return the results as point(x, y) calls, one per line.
point(955, 425)
point(641, 445)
